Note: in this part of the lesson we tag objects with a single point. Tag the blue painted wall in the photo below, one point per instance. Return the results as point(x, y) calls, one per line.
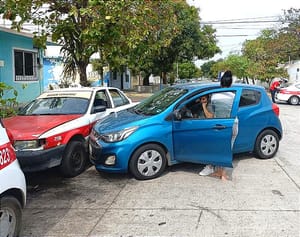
point(8, 42)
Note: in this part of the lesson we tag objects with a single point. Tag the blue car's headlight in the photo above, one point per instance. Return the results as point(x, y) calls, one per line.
point(119, 135)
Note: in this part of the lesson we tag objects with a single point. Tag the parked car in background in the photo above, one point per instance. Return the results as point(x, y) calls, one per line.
point(12, 188)
point(289, 94)
point(159, 131)
point(52, 130)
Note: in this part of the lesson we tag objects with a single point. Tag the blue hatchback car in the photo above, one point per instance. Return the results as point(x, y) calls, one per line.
point(166, 129)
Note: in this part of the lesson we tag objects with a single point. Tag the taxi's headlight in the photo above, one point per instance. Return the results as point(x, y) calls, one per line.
point(119, 135)
point(29, 145)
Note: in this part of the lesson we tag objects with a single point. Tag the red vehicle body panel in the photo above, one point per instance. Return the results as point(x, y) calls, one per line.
point(33, 126)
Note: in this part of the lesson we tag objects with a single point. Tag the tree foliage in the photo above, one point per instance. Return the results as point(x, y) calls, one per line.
point(8, 100)
point(188, 70)
point(191, 42)
point(142, 34)
point(263, 58)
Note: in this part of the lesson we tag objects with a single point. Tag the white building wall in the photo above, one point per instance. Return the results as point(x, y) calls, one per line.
point(293, 70)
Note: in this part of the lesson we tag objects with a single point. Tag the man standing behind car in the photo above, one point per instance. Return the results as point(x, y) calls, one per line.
point(274, 88)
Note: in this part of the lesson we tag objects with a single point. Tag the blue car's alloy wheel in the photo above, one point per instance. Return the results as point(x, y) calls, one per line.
point(267, 144)
point(148, 162)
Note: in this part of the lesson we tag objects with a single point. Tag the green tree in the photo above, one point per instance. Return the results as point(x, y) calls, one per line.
point(85, 27)
point(188, 70)
point(8, 100)
point(289, 35)
point(263, 60)
point(206, 69)
point(188, 42)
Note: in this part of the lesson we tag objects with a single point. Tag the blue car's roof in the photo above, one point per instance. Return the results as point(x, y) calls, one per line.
point(207, 85)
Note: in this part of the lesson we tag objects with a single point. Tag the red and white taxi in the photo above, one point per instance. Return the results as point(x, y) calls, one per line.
point(53, 129)
point(289, 94)
point(12, 188)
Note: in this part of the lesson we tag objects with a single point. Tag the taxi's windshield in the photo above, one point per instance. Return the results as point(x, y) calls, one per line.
point(55, 105)
point(158, 102)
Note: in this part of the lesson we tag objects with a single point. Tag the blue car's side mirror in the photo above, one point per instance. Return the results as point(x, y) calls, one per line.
point(177, 114)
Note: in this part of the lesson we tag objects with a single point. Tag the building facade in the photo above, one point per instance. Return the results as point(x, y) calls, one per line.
point(20, 64)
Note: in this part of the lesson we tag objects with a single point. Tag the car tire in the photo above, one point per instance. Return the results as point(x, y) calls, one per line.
point(266, 145)
point(74, 159)
point(10, 216)
point(294, 100)
point(148, 162)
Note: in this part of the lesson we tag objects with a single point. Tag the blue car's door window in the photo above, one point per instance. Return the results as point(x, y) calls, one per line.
point(198, 108)
point(222, 104)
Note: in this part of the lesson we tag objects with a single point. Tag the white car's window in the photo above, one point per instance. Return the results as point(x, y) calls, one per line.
point(118, 98)
point(101, 98)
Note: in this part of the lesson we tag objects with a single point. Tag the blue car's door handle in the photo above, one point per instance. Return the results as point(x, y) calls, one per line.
point(219, 126)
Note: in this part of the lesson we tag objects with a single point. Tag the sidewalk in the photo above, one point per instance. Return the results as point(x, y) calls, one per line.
point(137, 96)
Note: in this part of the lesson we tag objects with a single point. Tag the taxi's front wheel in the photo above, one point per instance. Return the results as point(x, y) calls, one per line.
point(148, 162)
point(74, 159)
point(10, 216)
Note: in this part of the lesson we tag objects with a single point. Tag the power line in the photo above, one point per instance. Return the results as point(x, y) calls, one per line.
point(239, 22)
point(233, 35)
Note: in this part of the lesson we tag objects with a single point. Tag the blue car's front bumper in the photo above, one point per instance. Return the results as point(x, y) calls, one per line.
point(100, 152)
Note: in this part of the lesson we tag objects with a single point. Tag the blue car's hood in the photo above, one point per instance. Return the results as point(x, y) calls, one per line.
point(119, 120)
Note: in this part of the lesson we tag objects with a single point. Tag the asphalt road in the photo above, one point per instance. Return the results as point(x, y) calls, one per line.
point(261, 199)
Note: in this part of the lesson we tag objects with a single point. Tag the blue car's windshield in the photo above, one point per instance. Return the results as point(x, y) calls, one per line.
point(56, 105)
point(159, 101)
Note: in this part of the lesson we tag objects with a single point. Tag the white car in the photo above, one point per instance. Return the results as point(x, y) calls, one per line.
point(52, 130)
point(290, 94)
point(12, 188)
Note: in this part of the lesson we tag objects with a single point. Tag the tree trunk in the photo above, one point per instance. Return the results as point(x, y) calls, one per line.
point(146, 80)
point(164, 77)
point(82, 74)
point(101, 75)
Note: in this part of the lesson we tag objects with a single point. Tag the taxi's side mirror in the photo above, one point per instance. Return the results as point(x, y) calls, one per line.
point(98, 109)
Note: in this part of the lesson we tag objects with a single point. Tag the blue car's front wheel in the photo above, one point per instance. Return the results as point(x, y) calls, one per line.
point(148, 162)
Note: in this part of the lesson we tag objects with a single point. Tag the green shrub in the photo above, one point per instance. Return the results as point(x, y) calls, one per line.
point(9, 104)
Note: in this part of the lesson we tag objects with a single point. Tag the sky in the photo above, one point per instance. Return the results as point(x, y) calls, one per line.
point(255, 13)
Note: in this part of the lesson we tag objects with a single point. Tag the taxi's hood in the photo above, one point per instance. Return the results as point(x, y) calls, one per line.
point(31, 127)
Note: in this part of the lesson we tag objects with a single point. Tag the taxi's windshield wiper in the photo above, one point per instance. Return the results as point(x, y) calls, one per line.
point(138, 111)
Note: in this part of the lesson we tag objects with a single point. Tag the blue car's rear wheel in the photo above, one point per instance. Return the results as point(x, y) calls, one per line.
point(266, 145)
point(148, 162)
